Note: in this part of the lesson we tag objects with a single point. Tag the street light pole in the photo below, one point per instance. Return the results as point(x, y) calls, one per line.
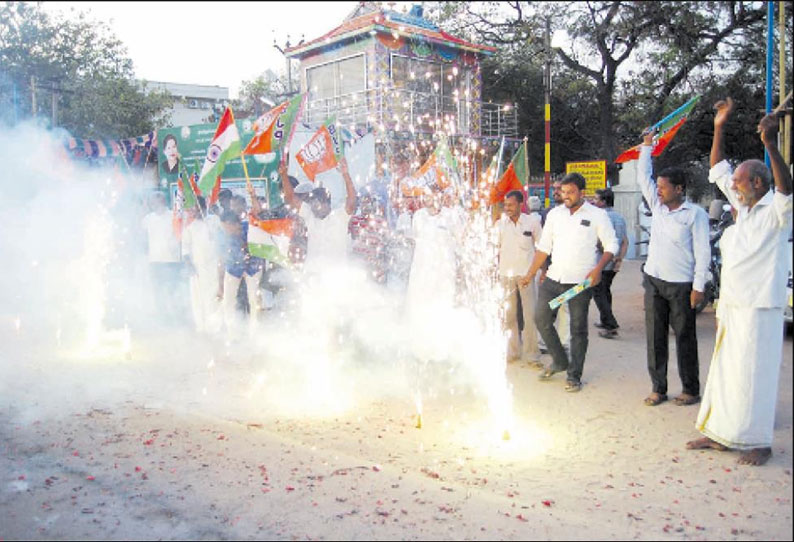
point(547, 114)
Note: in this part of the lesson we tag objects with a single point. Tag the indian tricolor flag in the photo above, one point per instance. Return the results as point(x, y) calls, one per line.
point(224, 146)
point(269, 239)
point(665, 132)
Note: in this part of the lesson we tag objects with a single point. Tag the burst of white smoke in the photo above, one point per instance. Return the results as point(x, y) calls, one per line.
point(75, 305)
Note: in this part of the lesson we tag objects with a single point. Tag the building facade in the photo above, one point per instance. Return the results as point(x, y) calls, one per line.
point(403, 78)
point(194, 104)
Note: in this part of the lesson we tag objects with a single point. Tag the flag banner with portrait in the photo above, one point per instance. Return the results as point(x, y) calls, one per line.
point(187, 147)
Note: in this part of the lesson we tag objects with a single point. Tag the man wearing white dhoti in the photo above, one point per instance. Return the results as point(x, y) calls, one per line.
point(201, 256)
point(431, 283)
point(518, 233)
point(738, 409)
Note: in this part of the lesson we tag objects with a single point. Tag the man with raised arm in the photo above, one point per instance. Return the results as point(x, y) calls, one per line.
point(738, 409)
point(326, 227)
point(674, 277)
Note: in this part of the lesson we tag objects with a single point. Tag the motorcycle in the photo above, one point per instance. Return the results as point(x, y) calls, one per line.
point(711, 291)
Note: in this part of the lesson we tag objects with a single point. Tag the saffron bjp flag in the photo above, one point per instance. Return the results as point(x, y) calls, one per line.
point(665, 132)
point(224, 146)
point(438, 173)
point(269, 239)
point(516, 176)
point(273, 130)
point(322, 151)
point(428, 178)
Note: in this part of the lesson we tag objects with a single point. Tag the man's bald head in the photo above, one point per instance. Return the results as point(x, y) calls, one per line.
point(756, 168)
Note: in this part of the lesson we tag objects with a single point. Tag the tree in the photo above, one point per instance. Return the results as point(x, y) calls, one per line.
point(661, 42)
point(76, 72)
point(259, 95)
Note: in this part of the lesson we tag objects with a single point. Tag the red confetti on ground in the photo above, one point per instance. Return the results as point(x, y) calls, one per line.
point(547, 503)
point(90, 478)
point(137, 469)
point(148, 442)
point(376, 468)
point(221, 437)
point(76, 453)
point(289, 488)
point(522, 518)
point(21, 477)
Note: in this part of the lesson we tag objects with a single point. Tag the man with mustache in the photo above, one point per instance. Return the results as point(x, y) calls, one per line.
point(738, 410)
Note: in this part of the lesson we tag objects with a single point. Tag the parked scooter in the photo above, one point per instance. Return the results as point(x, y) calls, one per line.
point(720, 218)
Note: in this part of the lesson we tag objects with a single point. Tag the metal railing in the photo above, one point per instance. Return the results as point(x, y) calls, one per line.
point(405, 110)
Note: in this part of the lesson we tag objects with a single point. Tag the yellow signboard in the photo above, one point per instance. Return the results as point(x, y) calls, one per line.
point(594, 173)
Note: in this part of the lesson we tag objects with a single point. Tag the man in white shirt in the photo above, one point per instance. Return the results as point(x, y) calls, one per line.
point(201, 256)
point(570, 237)
point(674, 277)
point(518, 233)
point(739, 400)
point(326, 227)
point(164, 257)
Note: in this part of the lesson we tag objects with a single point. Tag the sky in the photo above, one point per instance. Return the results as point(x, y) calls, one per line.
point(210, 43)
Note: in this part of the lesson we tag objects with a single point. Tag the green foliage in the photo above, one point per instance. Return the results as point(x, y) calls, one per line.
point(624, 65)
point(82, 65)
point(269, 87)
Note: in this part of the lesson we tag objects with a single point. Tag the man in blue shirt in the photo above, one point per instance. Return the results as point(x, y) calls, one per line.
point(602, 292)
point(239, 264)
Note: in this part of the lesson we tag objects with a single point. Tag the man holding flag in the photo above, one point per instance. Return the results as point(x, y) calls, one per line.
point(570, 237)
point(674, 276)
point(326, 227)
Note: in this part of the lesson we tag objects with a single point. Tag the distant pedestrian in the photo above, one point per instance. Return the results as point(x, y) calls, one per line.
point(164, 258)
point(602, 293)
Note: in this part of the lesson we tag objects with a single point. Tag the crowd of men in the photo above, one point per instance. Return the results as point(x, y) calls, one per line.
point(541, 255)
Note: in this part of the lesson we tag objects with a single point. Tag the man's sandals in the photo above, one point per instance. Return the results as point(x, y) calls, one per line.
point(686, 399)
point(655, 399)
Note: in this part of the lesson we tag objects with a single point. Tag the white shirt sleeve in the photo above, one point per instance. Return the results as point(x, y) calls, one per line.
point(783, 208)
point(720, 174)
point(537, 230)
point(645, 176)
point(545, 244)
point(701, 249)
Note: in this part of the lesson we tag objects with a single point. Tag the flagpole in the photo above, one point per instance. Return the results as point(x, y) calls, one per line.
point(526, 166)
point(148, 153)
point(673, 114)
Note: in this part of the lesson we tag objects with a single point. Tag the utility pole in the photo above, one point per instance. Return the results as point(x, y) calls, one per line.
point(33, 108)
point(289, 63)
point(785, 122)
point(770, 40)
point(54, 106)
point(547, 114)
